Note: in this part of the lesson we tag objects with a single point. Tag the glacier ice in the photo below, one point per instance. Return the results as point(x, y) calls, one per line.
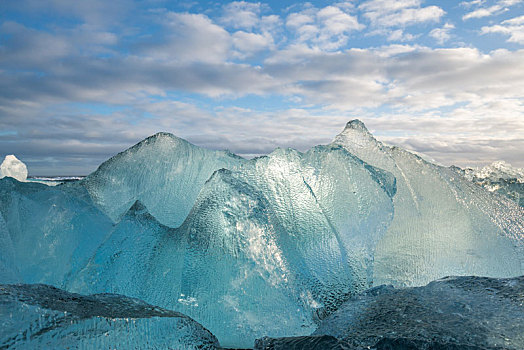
point(264, 250)
point(163, 171)
point(267, 246)
point(49, 233)
point(13, 167)
point(499, 177)
point(43, 317)
point(443, 224)
point(451, 313)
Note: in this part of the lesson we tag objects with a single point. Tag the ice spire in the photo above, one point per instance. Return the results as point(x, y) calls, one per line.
point(356, 137)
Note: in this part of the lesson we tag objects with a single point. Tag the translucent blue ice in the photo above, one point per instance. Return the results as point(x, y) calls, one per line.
point(444, 224)
point(268, 246)
point(163, 171)
point(265, 249)
point(47, 233)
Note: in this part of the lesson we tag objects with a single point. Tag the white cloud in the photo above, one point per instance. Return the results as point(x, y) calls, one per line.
point(248, 44)
point(441, 35)
point(297, 19)
point(386, 6)
point(471, 3)
point(446, 102)
point(482, 12)
point(190, 38)
point(336, 21)
point(412, 16)
point(327, 28)
point(513, 27)
point(382, 13)
point(242, 14)
point(496, 9)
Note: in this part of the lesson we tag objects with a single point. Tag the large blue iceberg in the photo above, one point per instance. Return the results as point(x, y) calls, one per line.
point(264, 247)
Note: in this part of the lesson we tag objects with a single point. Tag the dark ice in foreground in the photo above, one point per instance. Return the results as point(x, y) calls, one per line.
point(38, 316)
point(451, 313)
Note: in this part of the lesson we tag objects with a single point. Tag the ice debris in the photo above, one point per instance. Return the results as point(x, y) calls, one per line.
point(38, 316)
point(14, 168)
point(499, 177)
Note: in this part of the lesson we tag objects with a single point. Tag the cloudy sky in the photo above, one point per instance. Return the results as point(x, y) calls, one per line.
point(83, 80)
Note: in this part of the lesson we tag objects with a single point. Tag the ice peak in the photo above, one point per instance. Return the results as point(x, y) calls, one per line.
point(355, 134)
point(356, 124)
point(162, 134)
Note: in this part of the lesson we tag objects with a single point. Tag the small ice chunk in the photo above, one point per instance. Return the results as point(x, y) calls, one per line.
point(13, 167)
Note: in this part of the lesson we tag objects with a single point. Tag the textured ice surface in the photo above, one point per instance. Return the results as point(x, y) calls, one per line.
point(164, 172)
point(14, 168)
point(123, 263)
point(8, 269)
point(499, 177)
point(46, 233)
point(497, 170)
point(452, 313)
point(43, 317)
point(443, 224)
point(263, 251)
point(268, 246)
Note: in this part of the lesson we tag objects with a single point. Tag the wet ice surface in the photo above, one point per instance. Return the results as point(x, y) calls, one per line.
point(451, 313)
point(43, 317)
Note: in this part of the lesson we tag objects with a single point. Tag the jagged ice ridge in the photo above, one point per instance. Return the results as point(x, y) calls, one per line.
point(263, 247)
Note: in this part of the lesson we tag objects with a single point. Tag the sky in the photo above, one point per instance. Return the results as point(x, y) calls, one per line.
point(83, 80)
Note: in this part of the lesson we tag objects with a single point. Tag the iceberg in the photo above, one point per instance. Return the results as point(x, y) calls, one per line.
point(270, 246)
point(47, 233)
point(266, 249)
point(37, 316)
point(443, 224)
point(451, 313)
point(14, 168)
point(163, 171)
